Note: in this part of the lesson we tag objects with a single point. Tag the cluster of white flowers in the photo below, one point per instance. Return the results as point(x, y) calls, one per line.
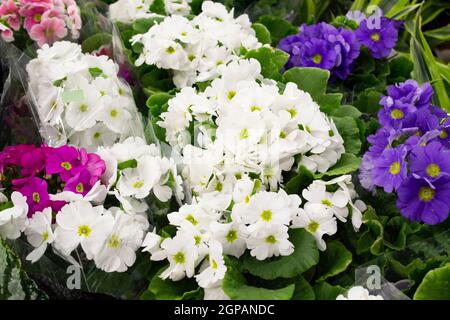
point(247, 218)
point(243, 124)
point(134, 169)
point(195, 48)
point(128, 11)
point(80, 98)
point(359, 293)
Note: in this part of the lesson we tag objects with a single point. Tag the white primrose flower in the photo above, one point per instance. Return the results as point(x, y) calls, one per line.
point(96, 195)
point(118, 251)
point(80, 97)
point(336, 202)
point(232, 236)
point(272, 240)
point(79, 223)
point(215, 293)
point(13, 218)
point(194, 48)
point(151, 242)
point(358, 293)
point(216, 269)
point(182, 255)
point(39, 233)
point(139, 181)
point(317, 220)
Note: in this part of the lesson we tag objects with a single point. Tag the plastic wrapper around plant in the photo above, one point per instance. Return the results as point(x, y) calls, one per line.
point(75, 97)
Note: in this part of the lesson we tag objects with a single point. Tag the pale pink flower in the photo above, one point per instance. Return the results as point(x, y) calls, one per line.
point(48, 31)
point(10, 12)
point(6, 33)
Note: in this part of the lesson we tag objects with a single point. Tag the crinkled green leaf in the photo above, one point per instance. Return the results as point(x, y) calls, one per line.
point(325, 291)
point(334, 260)
point(144, 24)
point(435, 285)
point(156, 102)
point(174, 290)
point(278, 27)
point(346, 111)
point(300, 181)
point(312, 80)
point(349, 130)
point(303, 290)
point(95, 42)
point(235, 286)
point(262, 34)
point(271, 60)
point(305, 256)
point(346, 164)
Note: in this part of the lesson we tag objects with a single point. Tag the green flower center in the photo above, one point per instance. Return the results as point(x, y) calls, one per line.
point(231, 94)
point(97, 135)
point(443, 135)
point(327, 203)
point(79, 188)
point(397, 114)
point(255, 108)
point(214, 264)
point(38, 17)
point(45, 236)
point(433, 170)
point(266, 215)
point(293, 112)
point(317, 58)
point(138, 184)
point(114, 242)
point(191, 219)
point(84, 231)
point(283, 135)
point(114, 113)
point(271, 239)
point(66, 165)
point(395, 167)
point(170, 50)
point(179, 257)
point(198, 240)
point(231, 236)
point(83, 108)
point(219, 186)
point(313, 226)
point(243, 134)
point(426, 194)
point(375, 36)
point(36, 197)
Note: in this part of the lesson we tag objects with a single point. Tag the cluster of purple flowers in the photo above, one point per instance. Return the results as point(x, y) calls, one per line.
point(410, 153)
point(323, 46)
point(38, 172)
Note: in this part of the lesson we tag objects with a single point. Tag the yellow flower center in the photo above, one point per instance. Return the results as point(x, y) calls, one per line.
point(317, 58)
point(266, 215)
point(191, 219)
point(443, 135)
point(198, 240)
point(36, 197)
point(433, 170)
point(138, 184)
point(293, 112)
point(327, 203)
point(231, 236)
point(97, 135)
point(84, 108)
point(214, 264)
point(426, 194)
point(313, 226)
point(231, 94)
point(375, 36)
point(84, 231)
point(170, 50)
point(271, 239)
point(243, 134)
point(395, 167)
point(114, 242)
point(66, 165)
point(79, 188)
point(397, 114)
point(45, 236)
point(179, 258)
point(113, 113)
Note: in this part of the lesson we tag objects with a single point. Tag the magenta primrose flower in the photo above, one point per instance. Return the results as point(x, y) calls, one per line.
point(63, 161)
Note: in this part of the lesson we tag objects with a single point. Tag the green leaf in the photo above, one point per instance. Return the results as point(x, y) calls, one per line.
point(303, 290)
point(174, 290)
point(271, 60)
point(442, 34)
point(312, 80)
point(132, 163)
point(158, 7)
point(262, 34)
point(144, 24)
point(349, 130)
point(300, 181)
point(14, 282)
point(278, 27)
point(95, 42)
point(235, 286)
point(425, 65)
point(435, 285)
point(334, 260)
point(156, 102)
point(325, 291)
point(305, 256)
point(371, 239)
point(95, 72)
point(346, 111)
point(346, 164)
